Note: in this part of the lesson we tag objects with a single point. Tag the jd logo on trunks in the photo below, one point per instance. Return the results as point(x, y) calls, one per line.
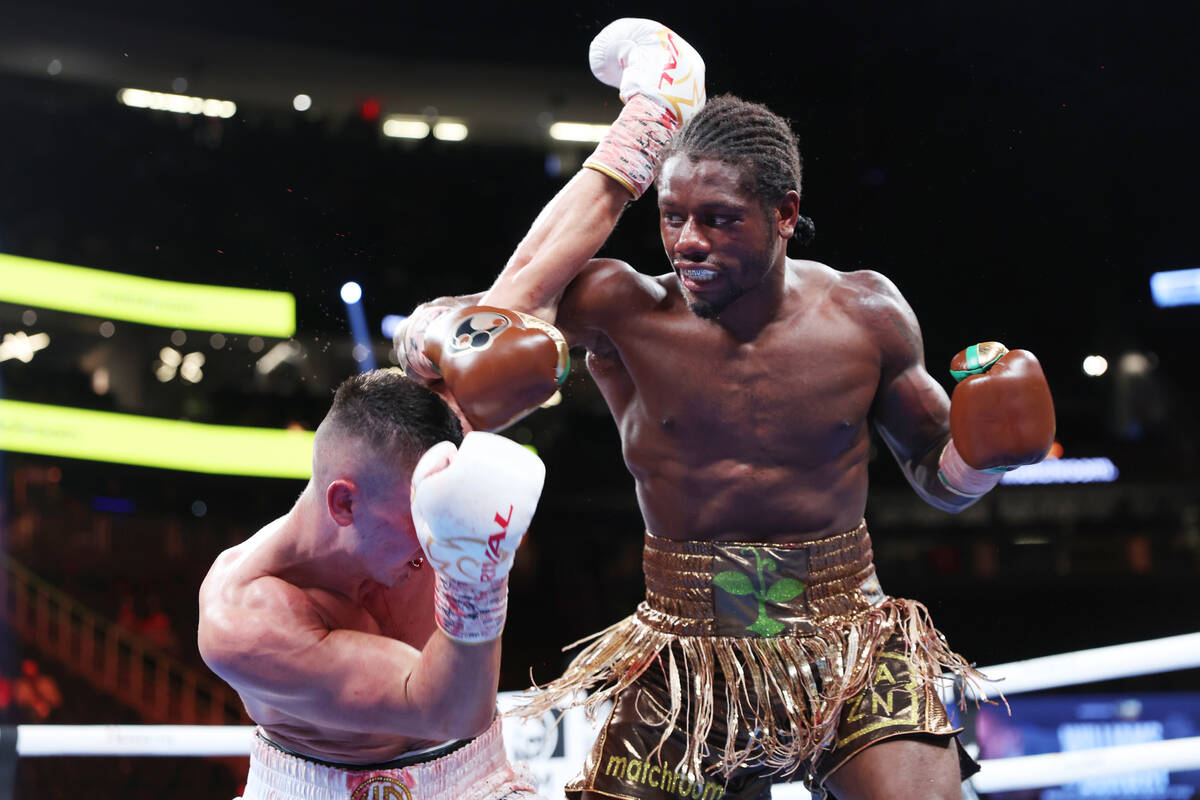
point(783, 590)
point(660, 777)
point(381, 788)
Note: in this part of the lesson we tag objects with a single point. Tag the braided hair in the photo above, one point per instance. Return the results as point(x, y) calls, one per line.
point(752, 138)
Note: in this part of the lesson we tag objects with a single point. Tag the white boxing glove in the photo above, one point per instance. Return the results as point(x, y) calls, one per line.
point(661, 78)
point(641, 56)
point(471, 506)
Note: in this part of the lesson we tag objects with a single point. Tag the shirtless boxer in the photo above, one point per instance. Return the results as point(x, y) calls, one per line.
point(362, 632)
point(324, 621)
point(744, 385)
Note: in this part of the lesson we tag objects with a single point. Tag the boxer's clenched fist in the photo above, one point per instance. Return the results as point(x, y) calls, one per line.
point(471, 507)
point(1001, 412)
point(498, 364)
point(1001, 417)
point(661, 82)
point(641, 56)
point(471, 514)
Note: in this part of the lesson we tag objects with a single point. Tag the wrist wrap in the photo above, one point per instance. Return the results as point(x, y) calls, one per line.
point(960, 477)
point(470, 612)
point(410, 343)
point(629, 153)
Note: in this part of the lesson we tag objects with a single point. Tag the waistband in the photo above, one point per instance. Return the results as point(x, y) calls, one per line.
point(478, 768)
point(753, 588)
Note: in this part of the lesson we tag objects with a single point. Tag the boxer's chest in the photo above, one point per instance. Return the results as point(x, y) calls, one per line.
point(801, 386)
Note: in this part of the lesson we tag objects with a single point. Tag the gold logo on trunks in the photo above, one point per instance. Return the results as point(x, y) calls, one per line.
point(381, 787)
point(659, 777)
point(888, 701)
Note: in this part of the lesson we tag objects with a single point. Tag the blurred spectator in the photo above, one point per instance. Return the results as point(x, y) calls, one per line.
point(35, 691)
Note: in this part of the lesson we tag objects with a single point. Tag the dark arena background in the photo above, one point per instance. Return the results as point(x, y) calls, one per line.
point(1020, 170)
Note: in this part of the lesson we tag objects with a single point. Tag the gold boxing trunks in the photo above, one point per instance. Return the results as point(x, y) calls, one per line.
point(751, 663)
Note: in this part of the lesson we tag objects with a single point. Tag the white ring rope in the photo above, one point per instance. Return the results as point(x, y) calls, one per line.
point(1088, 666)
point(1004, 774)
point(134, 740)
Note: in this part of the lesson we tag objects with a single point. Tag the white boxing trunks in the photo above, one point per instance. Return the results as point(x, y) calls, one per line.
point(477, 770)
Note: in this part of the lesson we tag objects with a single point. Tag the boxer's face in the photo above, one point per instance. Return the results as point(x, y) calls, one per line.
point(720, 241)
point(385, 524)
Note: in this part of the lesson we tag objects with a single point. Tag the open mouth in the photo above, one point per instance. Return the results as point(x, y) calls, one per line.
point(697, 277)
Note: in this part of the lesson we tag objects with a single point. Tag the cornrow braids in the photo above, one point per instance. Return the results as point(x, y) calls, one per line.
point(752, 138)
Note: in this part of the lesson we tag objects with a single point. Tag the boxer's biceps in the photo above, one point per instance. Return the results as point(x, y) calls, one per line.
point(912, 413)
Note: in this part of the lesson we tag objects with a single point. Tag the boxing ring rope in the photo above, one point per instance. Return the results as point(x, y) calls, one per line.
point(1003, 774)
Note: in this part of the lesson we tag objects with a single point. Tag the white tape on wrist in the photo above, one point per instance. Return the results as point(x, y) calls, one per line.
point(960, 477)
point(470, 612)
point(629, 153)
point(410, 343)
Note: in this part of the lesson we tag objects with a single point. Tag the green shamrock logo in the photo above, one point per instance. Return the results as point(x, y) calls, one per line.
point(782, 591)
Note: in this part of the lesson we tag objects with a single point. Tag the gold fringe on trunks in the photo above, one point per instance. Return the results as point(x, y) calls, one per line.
point(783, 694)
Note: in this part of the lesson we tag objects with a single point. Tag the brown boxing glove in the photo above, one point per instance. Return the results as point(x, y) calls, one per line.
point(1001, 412)
point(499, 364)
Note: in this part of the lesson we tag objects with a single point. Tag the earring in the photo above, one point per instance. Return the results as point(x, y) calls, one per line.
point(417, 562)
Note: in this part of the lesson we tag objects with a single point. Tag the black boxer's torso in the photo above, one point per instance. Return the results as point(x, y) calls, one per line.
point(765, 439)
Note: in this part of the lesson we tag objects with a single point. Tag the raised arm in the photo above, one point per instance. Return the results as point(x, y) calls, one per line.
point(661, 81)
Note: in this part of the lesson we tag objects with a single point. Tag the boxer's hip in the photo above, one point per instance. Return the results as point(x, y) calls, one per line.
point(476, 770)
point(757, 647)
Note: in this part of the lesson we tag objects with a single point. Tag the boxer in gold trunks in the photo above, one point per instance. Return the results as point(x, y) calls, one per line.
point(745, 384)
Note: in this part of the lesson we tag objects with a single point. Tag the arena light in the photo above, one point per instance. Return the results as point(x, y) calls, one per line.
point(363, 352)
point(577, 131)
point(1064, 470)
point(389, 324)
point(1095, 366)
point(399, 126)
point(1177, 287)
point(302, 102)
point(450, 131)
point(152, 442)
point(169, 304)
point(177, 103)
point(22, 347)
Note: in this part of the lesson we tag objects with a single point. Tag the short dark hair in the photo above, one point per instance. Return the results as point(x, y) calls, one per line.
point(393, 413)
point(752, 138)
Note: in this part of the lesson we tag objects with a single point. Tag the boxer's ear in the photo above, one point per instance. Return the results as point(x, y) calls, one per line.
point(340, 496)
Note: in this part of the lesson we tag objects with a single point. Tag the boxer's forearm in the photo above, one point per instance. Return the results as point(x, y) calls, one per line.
point(452, 692)
point(922, 474)
point(565, 235)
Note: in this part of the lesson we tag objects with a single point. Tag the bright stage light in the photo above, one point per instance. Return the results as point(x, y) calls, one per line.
point(1095, 366)
point(168, 304)
point(402, 127)
point(22, 347)
point(1064, 470)
point(302, 102)
point(1177, 287)
point(577, 131)
point(177, 103)
point(351, 293)
point(153, 442)
point(450, 131)
point(389, 325)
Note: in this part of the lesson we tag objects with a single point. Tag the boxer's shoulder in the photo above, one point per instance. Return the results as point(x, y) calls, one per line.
point(245, 621)
point(605, 291)
point(873, 302)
